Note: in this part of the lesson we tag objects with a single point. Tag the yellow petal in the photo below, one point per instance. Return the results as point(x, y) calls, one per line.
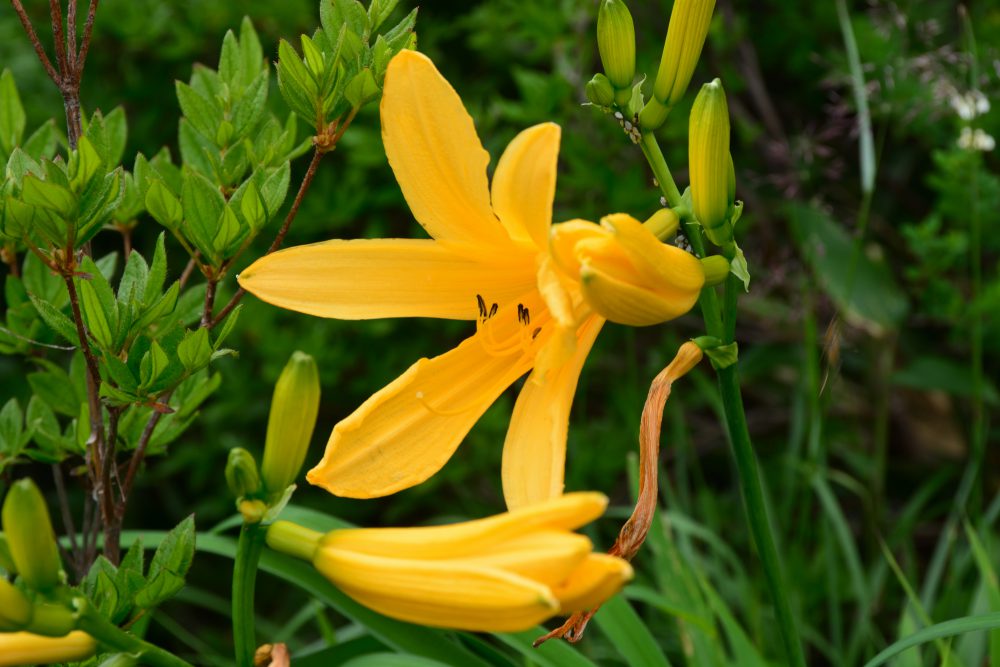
point(470, 538)
point(442, 594)
point(546, 556)
point(534, 453)
point(405, 432)
point(629, 304)
point(524, 184)
point(659, 263)
point(596, 579)
point(434, 151)
point(563, 240)
point(25, 648)
point(372, 278)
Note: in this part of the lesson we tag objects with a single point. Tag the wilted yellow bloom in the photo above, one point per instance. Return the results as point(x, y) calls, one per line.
point(489, 261)
point(505, 573)
point(711, 165)
point(25, 648)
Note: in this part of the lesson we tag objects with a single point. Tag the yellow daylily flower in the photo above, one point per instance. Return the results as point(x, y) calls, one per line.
point(489, 260)
point(25, 648)
point(504, 573)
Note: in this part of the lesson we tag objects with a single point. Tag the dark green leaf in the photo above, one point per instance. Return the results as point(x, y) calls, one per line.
point(12, 118)
point(176, 551)
point(161, 587)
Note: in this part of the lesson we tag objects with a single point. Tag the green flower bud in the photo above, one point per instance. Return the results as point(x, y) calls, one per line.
point(6, 560)
point(689, 21)
point(716, 269)
point(15, 609)
point(710, 163)
point(290, 426)
point(616, 42)
point(599, 91)
point(30, 536)
point(52, 620)
point(241, 473)
point(653, 115)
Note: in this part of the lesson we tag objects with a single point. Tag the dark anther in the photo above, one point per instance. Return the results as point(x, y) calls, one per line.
point(534, 334)
point(493, 310)
point(482, 305)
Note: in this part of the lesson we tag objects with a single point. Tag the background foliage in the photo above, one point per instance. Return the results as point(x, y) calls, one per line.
point(857, 366)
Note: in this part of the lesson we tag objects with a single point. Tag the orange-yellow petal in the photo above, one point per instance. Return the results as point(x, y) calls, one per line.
point(469, 538)
point(433, 149)
point(597, 578)
point(524, 184)
point(534, 453)
point(446, 594)
point(563, 240)
point(374, 278)
point(408, 430)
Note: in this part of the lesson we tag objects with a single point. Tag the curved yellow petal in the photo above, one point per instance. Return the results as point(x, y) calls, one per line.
point(534, 453)
point(433, 149)
point(658, 262)
point(469, 538)
point(524, 184)
point(597, 578)
point(373, 278)
point(439, 593)
point(546, 556)
point(406, 431)
point(562, 244)
point(25, 648)
point(631, 304)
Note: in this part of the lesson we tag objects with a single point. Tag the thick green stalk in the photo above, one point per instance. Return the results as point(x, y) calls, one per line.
point(248, 551)
point(760, 524)
point(723, 326)
point(113, 637)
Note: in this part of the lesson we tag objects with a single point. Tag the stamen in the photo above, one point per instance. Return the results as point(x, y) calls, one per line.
point(482, 305)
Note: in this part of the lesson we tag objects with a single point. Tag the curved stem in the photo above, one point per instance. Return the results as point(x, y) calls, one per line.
point(651, 149)
point(110, 635)
point(248, 551)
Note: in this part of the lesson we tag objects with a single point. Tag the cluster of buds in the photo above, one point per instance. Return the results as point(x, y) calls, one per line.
point(262, 492)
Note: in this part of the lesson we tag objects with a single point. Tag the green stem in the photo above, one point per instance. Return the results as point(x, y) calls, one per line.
point(760, 525)
point(651, 149)
point(110, 635)
point(248, 551)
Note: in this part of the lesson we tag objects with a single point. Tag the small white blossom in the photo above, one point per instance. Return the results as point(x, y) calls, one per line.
point(976, 140)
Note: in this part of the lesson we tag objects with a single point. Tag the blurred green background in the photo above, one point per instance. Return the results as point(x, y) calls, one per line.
point(856, 365)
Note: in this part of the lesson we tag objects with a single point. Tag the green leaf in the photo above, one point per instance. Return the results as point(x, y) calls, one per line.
point(203, 205)
point(54, 387)
point(161, 587)
point(275, 188)
point(116, 129)
point(48, 195)
point(153, 363)
point(163, 206)
point(227, 326)
point(11, 429)
point(227, 233)
point(392, 660)
point(176, 551)
point(253, 208)
point(41, 420)
point(862, 285)
point(55, 318)
point(361, 89)
point(629, 634)
point(84, 163)
point(295, 84)
point(230, 63)
point(94, 316)
point(252, 106)
point(202, 112)
point(738, 267)
point(43, 142)
point(132, 287)
point(379, 11)
point(195, 351)
point(933, 633)
point(12, 118)
point(251, 55)
point(157, 273)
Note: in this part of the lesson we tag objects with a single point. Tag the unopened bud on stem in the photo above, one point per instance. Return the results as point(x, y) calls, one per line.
point(689, 21)
point(616, 43)
point(241, 473)
point(15, 609)
point(710, 163)
point(293, 415)
point(600, 91)
point(30, 537)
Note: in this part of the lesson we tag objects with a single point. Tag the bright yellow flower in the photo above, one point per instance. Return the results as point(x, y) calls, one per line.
point(25, 648)
point(490, 261)
point(505, 573)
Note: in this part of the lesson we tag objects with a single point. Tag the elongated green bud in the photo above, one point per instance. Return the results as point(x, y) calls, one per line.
point(616, 43)
point(6, 560)
point(30, 536)
point(599, 91)
point(290, 426)
point(241, 473)
point(689, 21)
point(15, 609)
point(710, 162)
